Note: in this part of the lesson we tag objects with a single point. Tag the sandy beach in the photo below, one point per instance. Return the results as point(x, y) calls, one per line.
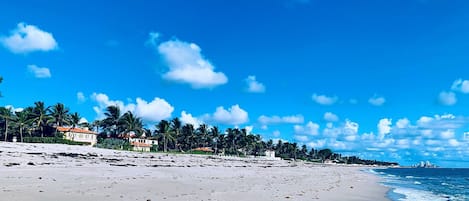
point(40, 172)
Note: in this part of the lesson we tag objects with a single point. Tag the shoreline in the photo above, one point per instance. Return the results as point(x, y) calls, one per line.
point(64, 172)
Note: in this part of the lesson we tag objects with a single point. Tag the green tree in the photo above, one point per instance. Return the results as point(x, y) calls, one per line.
point(176, 126)
point(131, 123)
point(164, 130)
point(6, 116)
point(59, 115)
point(111, 120)
point(40, 116)
point(23, 120)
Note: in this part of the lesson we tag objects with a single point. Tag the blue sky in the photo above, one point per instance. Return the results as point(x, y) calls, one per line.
point(384, 80)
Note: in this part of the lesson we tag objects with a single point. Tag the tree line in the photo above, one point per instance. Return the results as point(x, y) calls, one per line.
point(42, 121)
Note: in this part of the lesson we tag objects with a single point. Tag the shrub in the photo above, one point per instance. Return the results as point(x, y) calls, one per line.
point(52, 140)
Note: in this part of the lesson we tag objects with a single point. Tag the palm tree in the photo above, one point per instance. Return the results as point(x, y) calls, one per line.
point(96, 124)
point(176, 126)
point(131, 123)
point(187, 136)
point(59, 115)
point(202, 132)
point(164, 130)
point(23, 119)
point(40, 116)
point(214, 135)
point(6, 115)
point(75, 119)
point(111, 122)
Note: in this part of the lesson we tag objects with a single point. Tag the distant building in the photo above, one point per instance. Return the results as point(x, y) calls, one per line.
point(270, 153)
point(142, 144)
point(79, 135)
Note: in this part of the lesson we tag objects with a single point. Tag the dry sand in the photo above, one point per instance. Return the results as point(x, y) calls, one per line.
point(40, 172)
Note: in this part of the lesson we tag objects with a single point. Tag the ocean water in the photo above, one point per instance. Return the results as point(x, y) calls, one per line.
point(426, 184)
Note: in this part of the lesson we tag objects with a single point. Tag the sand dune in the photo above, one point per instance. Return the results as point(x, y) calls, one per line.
point(40, 172)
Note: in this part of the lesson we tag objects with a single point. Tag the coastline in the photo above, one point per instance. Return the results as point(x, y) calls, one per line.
point(63, 172)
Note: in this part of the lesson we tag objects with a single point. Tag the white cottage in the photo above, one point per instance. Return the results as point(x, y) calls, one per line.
point(79, 135)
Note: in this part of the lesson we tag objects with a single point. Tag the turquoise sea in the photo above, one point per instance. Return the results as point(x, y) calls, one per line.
point(426, 184)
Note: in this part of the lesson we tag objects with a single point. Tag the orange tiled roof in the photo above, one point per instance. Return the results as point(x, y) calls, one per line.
point(139, 144)
point(75, 130)
point(206, 149)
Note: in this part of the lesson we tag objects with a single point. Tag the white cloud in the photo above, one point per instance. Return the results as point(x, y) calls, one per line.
point(424, 121)
point(461, 86)
point(39, 72)
point(447, 98)
point(384, 127)
point(310, 129)
point(81, 97)
point(187, 118)
point(276, 133)
point(28, 38)
point(377, 100)
point(83, 120)
point(324, 100)
point(447, 134)
point(235, 115)
point(317, 144)
point(402, 123)
point(153, 38)
point(249, 129)
point(187, 65)
point(453, 142)
point(150, 112)
point(253, 85)
point(293, 119)
point(330, 117)
point(301, 138)
point(350, 127)
point(13, 108)
point(153, 111)
point(353, 101)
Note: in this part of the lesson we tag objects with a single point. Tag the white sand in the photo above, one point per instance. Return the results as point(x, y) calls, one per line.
point(54, 173)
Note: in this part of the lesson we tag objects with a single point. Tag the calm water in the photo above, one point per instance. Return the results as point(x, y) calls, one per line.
point(432, 184)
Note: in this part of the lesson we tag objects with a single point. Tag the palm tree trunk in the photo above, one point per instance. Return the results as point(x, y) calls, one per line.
point(164, 143)
point(6, 129)
point(21, 133)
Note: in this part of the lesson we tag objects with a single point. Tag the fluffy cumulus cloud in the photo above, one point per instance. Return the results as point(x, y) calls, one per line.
point(324, 100)
point(402, 123)
point(384, 127)
point(150, 112)
point(293, 119)
point(234, 115)
point(330, 117)
point(39, 72)
point(28, 38)
point(309, 129)
point(447, 98)
point(187, 118)
point(377, 100)
point(186, 64)
point(461, 86)
point(253, 86)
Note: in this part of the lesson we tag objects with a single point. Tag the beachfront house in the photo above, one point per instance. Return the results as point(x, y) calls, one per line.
point(270, 153)
point(142, 144)
point(79, 135)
